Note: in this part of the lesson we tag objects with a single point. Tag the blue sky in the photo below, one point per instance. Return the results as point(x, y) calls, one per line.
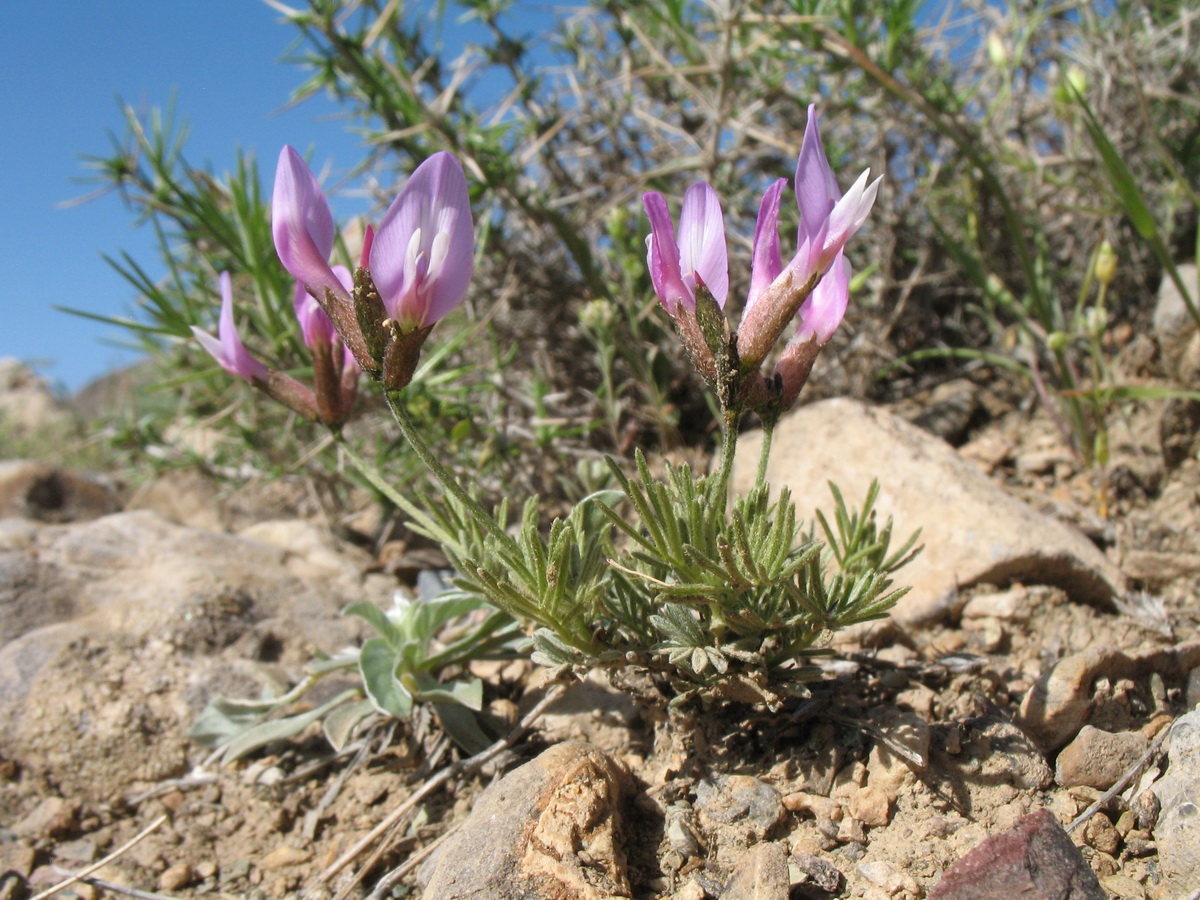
point(64, 65)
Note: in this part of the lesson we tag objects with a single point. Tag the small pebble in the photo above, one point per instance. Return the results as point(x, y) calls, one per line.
point(691, 891)
point(206, 869)
point(284, 855)
point(176, 877)
point(814, 804)
point(886, 876)
point(871, 806)
point(1099, 832)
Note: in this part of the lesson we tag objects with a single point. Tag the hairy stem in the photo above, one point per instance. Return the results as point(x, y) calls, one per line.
point(440, 472)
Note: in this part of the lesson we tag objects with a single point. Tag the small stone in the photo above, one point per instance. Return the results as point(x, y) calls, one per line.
point(235, 871)
point(272, 775)
point(691, 891)
point(892, 763)
point(816, 871)
point(1176, 832)
point(762, 875)
point(284, 855)
point(369, 789)
point(1034, 860)
point(206, 869)
point(172, 801)
point(1099, 832)
point(813, 804)
point(1099, 758)
point(81, 851)
point(50, 818)
point(1121, 887)
point(1058, 705)
point(851, 831)
point(1126, 822)
point(1008, 605)
point(176, 877)
point(1146, 807)
point(739, 798)
point(887, 877)
point(525, 832)
point(871, 806)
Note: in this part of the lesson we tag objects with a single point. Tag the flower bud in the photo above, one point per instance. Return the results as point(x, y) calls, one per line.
point(1106, 263)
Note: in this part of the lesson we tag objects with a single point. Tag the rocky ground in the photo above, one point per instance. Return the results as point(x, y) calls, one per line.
point(1020, 724)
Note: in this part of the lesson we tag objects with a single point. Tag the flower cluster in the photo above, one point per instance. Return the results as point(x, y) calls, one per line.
point(689, 268)
point(415, 269)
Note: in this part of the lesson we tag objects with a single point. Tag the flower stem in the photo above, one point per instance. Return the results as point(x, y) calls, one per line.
point(729, 438)
point(764, 453)
point(440, 472)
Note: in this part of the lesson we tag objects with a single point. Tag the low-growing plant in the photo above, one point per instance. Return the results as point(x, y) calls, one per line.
point(712, 596)
point(418, 654)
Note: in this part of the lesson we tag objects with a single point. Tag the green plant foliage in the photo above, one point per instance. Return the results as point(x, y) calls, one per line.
point(419, 647)
point(698, 594)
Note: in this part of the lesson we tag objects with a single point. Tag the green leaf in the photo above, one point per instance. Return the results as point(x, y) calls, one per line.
point(461, 724)
point(377, 661)
point(377, 619)
point(425, 687)
point(339, 725)
point(280, 729)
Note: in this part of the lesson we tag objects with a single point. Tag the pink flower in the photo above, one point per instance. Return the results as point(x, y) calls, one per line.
point(822, 312)
point(820, 315)
point(335, 370)
point(828, 219)
point(302, 227)
point(423, 254)
point(699, 257)
point(228, 349)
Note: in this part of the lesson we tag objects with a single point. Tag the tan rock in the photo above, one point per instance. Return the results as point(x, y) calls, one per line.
point(1097, 758)
point(871, 806)
point(762, 874)
point(284, 855)
point(972, 529)
point(1056, 707)
point(176, 877)
point(549, 829)
point(892, 762)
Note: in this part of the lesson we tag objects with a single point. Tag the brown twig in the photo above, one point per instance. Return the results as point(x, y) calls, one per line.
point(124, 848)
point(391, 879)
point(122, 888)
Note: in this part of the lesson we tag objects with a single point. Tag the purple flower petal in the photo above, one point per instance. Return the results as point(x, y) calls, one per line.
point(699, 255)
point(822, 312)
point(229, 350)
point(662, 254)
point(766, 262)
point(302, 226)
point(423, 253)
point(702, 252)
point(816, 189)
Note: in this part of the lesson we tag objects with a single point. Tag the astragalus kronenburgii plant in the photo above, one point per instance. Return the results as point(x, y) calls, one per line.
point(664, 574)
